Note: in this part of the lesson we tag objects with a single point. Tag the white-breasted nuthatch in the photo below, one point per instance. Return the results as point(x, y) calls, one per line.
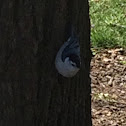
point(68, 60)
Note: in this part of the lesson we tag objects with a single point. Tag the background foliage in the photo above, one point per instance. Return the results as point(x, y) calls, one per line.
point(108, 21)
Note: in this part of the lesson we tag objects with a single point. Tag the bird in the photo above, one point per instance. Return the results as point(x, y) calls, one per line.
point(68, 61)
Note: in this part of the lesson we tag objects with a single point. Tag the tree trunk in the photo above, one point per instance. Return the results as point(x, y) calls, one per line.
point(32, 93)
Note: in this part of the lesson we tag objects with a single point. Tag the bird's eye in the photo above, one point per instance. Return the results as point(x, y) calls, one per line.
point(73, 64)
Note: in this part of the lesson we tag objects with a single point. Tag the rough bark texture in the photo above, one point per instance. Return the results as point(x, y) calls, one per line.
point(32, 93)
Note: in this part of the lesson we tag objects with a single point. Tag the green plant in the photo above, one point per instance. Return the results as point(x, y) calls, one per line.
point(108, 18)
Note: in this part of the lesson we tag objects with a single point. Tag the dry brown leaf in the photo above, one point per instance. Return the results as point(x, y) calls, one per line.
point(108, 76)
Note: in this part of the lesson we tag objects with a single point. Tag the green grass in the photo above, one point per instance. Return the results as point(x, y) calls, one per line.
point(123, 62)
point(108, 21)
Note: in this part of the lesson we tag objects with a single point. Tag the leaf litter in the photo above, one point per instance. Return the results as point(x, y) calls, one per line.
point(108, 82)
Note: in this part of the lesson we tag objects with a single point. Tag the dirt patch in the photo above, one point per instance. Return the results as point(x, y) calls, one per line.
point(108, 75)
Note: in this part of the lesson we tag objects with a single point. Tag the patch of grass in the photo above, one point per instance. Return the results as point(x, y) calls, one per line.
point(123, 62)
point(108, 20)
point(105, 97)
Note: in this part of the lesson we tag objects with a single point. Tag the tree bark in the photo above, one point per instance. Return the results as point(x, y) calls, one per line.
point(32, 93)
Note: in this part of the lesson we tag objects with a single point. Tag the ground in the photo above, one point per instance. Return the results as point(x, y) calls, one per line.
point(108, 76)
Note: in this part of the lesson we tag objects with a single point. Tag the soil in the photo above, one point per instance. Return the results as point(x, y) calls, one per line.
point(108, 76)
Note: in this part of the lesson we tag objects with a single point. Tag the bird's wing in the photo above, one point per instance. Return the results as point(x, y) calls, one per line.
point(72, 48)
